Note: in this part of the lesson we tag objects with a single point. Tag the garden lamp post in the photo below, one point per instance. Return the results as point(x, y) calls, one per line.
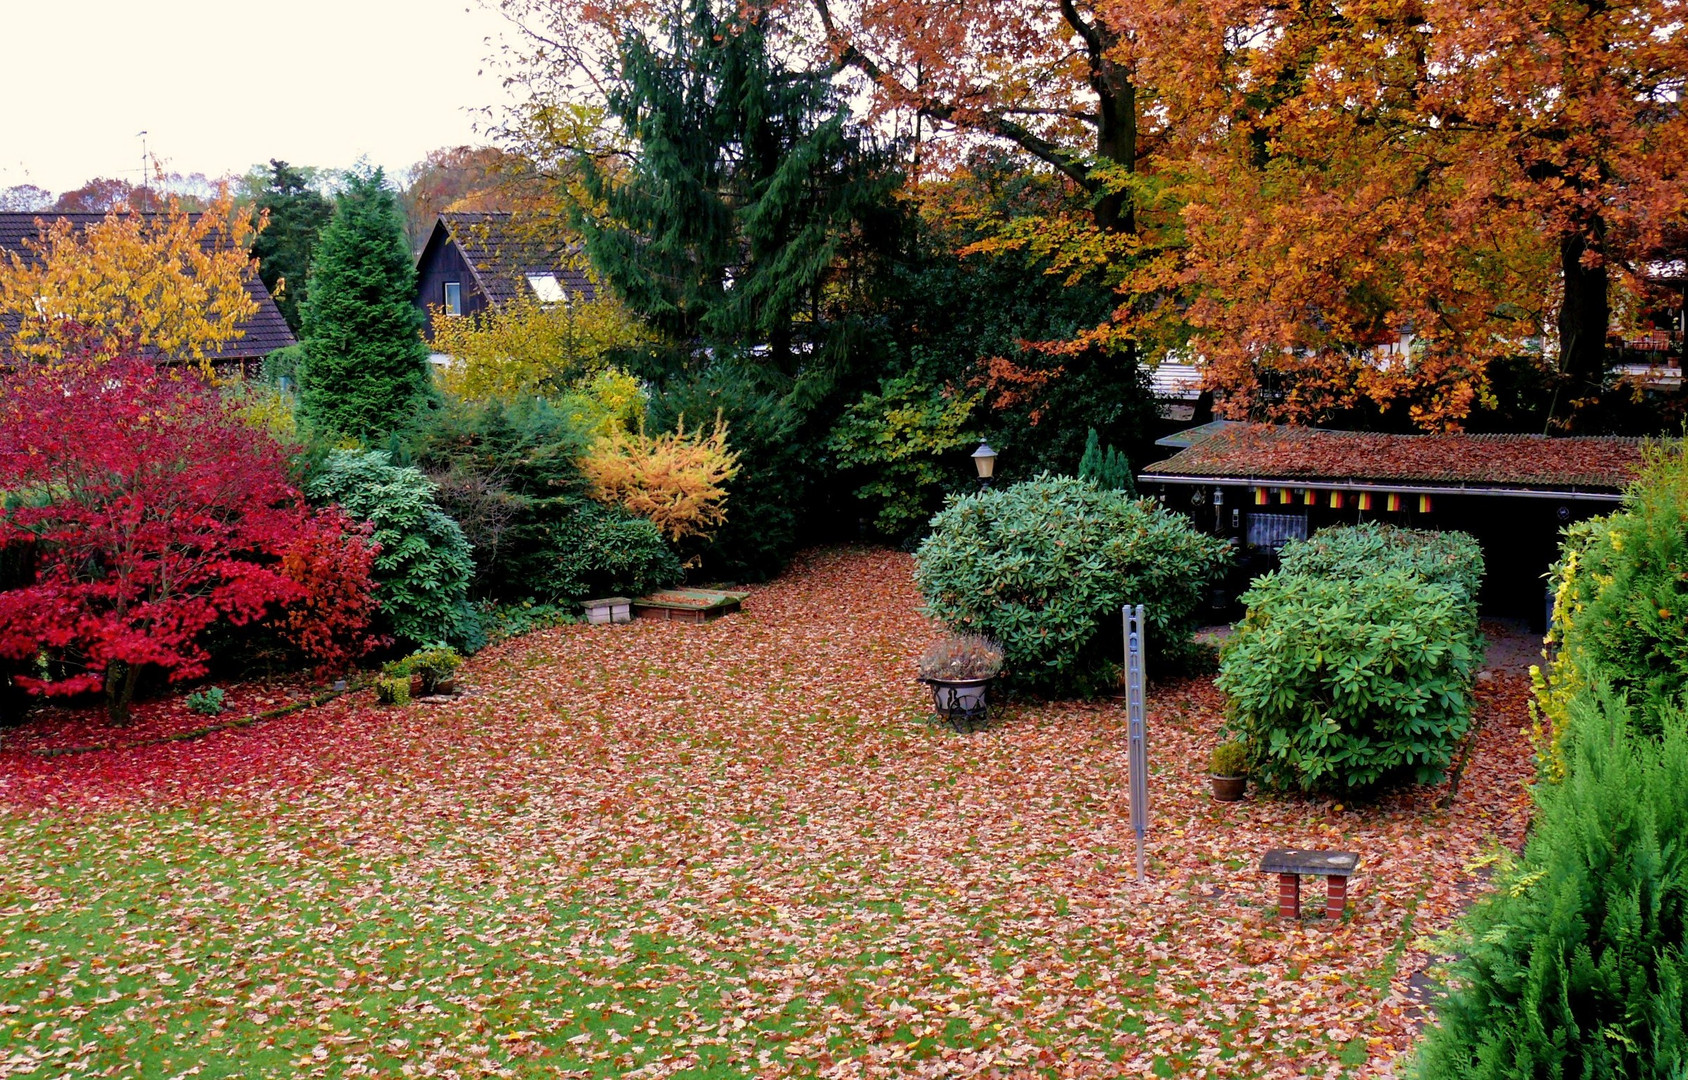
point(984, 459)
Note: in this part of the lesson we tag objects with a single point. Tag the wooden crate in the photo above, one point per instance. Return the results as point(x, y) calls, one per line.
point(687, 605)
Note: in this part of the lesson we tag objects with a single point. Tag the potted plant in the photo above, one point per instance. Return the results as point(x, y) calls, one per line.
point(425, 672)
point(434, 668)
point(1227, 770)
point(959, 670)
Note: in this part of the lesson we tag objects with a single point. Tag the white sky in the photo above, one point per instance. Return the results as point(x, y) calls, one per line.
point(222, 85)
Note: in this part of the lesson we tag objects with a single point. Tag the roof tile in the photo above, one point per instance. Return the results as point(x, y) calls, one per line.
point(1272, 453)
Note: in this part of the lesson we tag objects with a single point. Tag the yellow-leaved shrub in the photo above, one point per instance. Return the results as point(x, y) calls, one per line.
point(676, 479)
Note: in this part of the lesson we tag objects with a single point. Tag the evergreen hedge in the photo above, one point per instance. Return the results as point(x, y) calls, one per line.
point(1574, 966)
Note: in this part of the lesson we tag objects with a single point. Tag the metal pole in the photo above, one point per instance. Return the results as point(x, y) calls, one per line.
point(1138, 751)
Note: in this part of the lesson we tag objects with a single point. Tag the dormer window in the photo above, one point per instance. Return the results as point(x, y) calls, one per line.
point(547, 288)
point(453, 298)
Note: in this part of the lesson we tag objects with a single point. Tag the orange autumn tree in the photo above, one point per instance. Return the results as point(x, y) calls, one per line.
point(1478, 176)
point(170, 284)
point(676, 479)
point(1276, 190)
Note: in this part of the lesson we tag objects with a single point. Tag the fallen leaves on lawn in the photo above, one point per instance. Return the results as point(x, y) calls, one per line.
point(738, 848)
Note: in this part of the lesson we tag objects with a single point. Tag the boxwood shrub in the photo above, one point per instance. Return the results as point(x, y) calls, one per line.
point(1354, 665)
point(1044, 566)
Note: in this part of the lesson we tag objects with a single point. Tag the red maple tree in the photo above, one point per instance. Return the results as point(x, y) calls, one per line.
point(147, 513)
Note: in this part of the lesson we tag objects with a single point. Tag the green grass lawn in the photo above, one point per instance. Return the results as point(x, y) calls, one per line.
point(724, 850)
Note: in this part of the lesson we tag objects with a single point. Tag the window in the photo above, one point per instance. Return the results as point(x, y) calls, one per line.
point(1272, 531)
point(453, 298)
point(547, 288)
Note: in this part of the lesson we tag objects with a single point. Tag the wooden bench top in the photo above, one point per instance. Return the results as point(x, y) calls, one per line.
point(1296, 861)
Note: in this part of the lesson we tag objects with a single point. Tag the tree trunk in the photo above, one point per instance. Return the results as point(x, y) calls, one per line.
point(120, 680)
point(1116, 141)
point(1585, 315)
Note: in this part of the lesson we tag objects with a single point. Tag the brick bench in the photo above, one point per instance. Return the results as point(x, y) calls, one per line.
point(1290, 863)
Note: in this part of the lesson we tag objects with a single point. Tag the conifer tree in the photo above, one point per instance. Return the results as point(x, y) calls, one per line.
point(1105, 467)
point(298, 214)
point(1576, 966)
point(366, 367)
point(747, 189)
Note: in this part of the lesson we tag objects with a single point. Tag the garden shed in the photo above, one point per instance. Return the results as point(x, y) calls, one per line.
point(1260, 485)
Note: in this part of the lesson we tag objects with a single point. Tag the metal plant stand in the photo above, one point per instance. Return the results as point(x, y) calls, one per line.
point(966, 705)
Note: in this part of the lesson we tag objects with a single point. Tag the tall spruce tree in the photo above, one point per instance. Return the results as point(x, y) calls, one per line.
point(298, 214)
point(366, 367)
point(749, 186)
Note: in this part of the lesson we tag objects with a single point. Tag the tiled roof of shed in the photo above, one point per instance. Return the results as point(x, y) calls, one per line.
point(263, 333)
point(503, 250)
point(1272, 453)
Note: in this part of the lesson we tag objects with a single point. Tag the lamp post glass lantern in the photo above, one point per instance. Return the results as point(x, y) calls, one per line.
point(984, 459)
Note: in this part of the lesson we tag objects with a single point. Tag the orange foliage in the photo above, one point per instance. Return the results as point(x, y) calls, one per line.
point(676, 479)
point(1274, 188)
point(1008, 384)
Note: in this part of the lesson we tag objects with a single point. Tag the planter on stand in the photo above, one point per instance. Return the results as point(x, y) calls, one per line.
point(964, 703)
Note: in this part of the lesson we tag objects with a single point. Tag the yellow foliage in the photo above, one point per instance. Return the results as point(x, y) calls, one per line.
point(1556, 688)
point(171, 282)
point(529, 347)
point(263, 407)
point(676, 479)
point(612, 402)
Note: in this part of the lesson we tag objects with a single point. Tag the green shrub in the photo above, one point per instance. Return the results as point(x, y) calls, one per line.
point(433, 665)
point(392, 689)
point(507, 472)
point(1043, 568)
point(505, 621)
point(1354, 552)
point(897, 440)
point(612, 553)
point(424, 565)
point(1621, 614)
point(206, 702)
point(1343, 683)
point(1575, 966)
point(1229, 759)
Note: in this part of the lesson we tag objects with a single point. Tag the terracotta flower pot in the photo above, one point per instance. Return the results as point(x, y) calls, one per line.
point(1228, 788)
point(419, 688)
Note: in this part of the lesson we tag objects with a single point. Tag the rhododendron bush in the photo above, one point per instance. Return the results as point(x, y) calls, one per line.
point(146, 513)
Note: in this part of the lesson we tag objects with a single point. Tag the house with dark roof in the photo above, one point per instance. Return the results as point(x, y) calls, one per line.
point(473, 262)
point(261, 334)
point(1261, 485)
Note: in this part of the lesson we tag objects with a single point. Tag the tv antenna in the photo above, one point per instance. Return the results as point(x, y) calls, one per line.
point(142, 135)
